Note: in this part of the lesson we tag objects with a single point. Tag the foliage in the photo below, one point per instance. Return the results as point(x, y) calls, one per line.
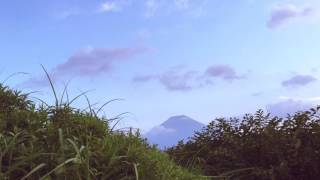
point(257, 147)
point(60, 142)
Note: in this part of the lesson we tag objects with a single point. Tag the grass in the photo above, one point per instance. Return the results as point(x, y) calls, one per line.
point(62, 142)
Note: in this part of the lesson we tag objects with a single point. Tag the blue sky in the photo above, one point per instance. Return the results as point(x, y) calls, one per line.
point(201, 58)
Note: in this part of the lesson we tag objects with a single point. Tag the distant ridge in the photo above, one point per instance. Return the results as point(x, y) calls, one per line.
point(171, 131)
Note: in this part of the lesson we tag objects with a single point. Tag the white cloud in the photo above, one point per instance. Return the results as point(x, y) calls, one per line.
point(109, 7)
point(166, 7)
point(161, 130)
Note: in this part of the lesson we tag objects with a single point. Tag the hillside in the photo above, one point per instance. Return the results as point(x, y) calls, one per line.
point(61, 142)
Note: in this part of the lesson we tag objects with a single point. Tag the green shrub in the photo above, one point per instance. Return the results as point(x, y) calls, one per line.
point(258, 147)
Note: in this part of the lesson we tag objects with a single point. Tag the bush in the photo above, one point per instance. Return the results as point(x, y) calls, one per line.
point(257, 147)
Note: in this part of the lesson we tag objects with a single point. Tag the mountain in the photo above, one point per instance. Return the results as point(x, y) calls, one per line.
point(176, 128)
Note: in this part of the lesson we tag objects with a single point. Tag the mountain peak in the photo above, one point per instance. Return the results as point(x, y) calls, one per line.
point(174, 129)
point(181, 121)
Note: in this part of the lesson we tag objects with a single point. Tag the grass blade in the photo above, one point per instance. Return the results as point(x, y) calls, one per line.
point(51, 84)
point(34, 170)
point(56, 168)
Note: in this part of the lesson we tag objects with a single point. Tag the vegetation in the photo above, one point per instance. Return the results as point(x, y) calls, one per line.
point(257, 147)
point(61, 142)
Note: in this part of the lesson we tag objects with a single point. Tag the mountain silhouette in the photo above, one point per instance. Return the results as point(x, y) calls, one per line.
point(176, 128)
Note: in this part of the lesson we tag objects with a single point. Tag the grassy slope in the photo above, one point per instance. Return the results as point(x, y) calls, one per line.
point(59, 142)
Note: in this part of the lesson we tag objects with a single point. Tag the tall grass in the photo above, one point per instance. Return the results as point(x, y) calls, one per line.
point(62, 142)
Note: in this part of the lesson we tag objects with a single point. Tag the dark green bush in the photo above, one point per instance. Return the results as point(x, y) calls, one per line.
point(257, 147)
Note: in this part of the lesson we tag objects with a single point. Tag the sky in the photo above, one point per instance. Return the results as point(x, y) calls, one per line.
point(200, 58)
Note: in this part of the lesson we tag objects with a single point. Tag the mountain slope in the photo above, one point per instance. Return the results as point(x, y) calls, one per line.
point(173, 130)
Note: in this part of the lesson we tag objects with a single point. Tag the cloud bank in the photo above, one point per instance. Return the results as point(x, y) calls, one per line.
point(299, 80)
point(224, 72)
point(290, 106)
point(94, 61)
point(177, 79)
point(89, 62)
point(287, 13)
